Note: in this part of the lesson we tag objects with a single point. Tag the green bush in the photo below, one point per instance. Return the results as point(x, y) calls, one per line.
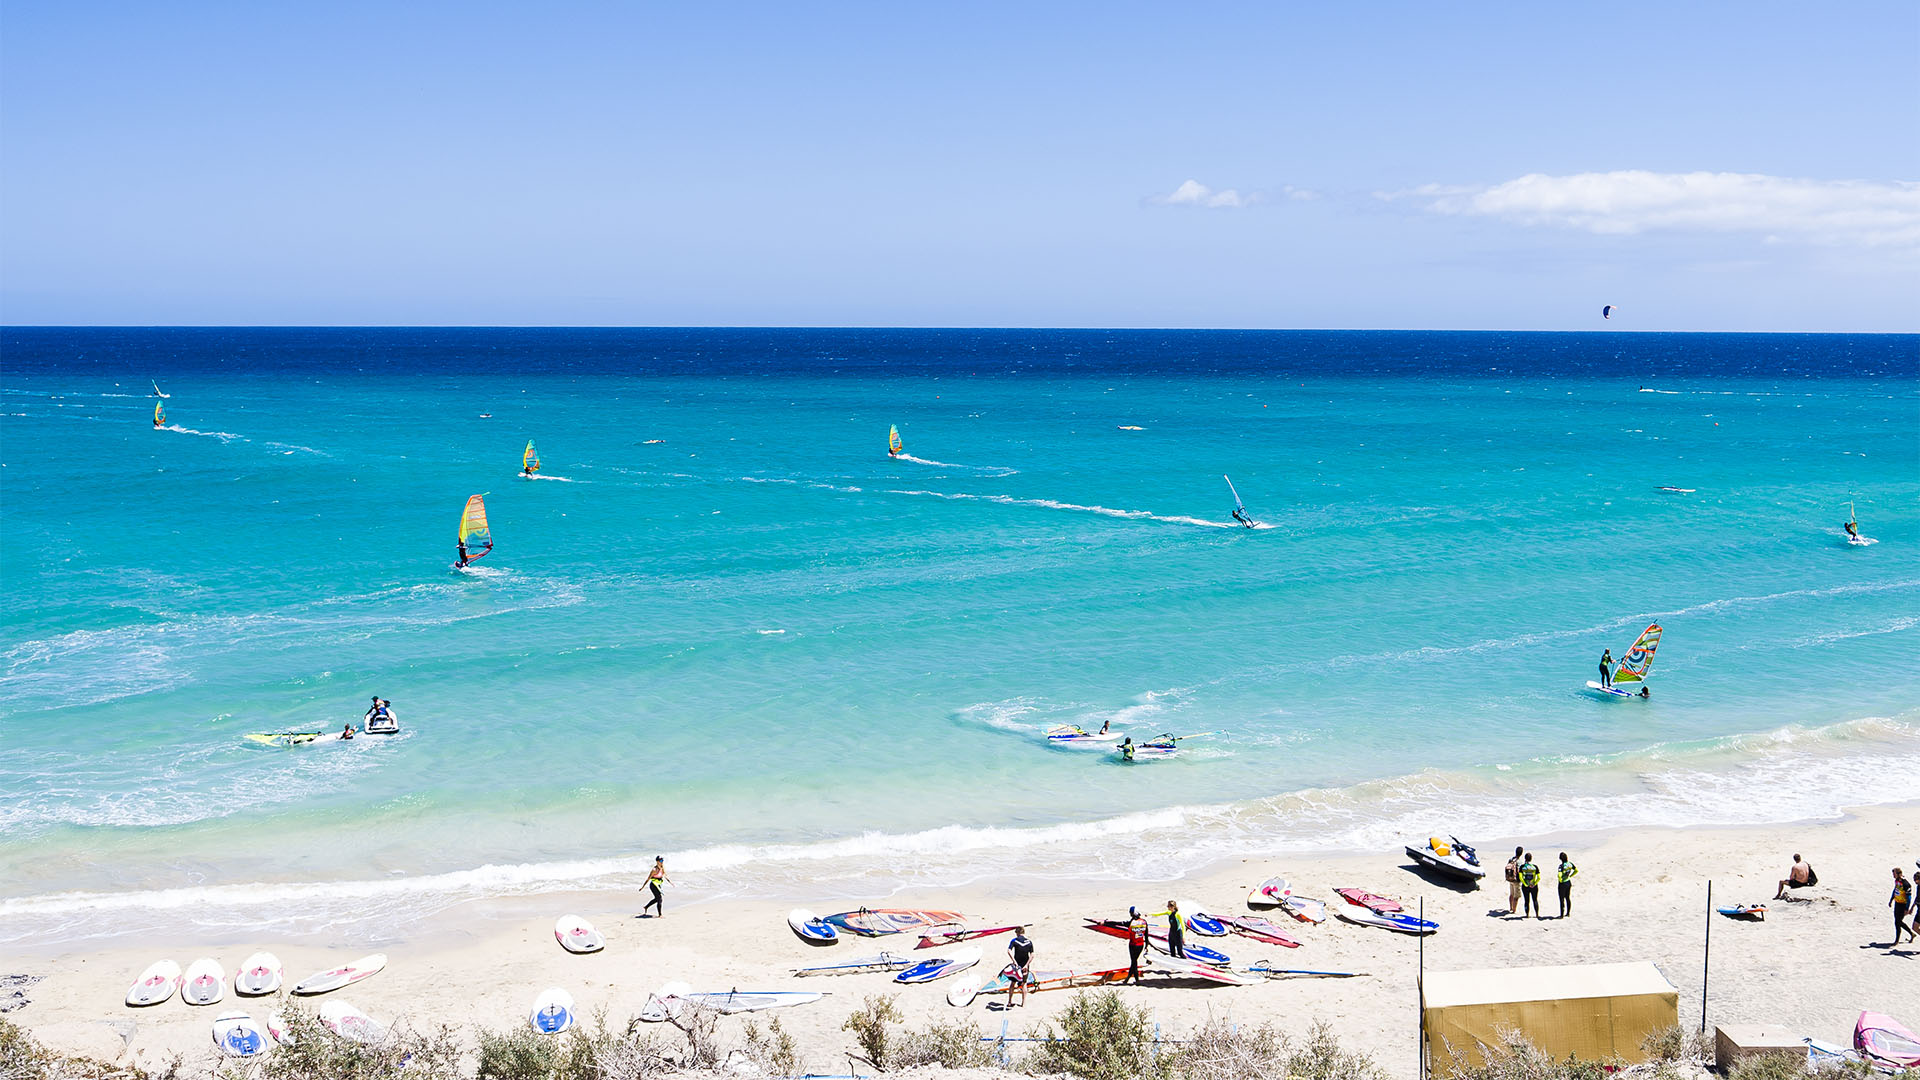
point(772, 1050)
point(869, 1026)
point(318, 1054)
point(1099, 1039)
point(1678, 1043)
point(1219, 1050)
point(953, 1045)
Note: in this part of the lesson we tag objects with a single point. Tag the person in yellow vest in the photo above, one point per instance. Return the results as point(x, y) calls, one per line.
point(1530, 887)
point(1567, 872)
point(1901, 899)
point(656, 878)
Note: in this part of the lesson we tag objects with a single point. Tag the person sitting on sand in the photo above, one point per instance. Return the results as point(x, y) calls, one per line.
point(1800, 877)
point(1020, 952)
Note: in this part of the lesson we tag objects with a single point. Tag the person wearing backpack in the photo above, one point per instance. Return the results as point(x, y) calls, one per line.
point(1513, 882)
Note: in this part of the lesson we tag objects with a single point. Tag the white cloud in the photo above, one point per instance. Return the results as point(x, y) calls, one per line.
point(1867, 213)
point(1195, 193)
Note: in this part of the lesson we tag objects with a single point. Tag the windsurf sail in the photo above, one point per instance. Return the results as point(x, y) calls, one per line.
point(1237, 503)
point(893, 441)
point(529, 459)
point(1633, 666)
point(159, 413)
point(157, 391)
point(475, 537)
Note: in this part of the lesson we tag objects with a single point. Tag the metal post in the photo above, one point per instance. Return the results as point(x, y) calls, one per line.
point(1706, 957)
point(1420, 999)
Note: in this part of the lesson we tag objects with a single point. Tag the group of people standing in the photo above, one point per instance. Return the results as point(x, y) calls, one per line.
point(1523, 884)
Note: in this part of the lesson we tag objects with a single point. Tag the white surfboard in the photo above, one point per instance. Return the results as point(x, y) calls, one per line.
point(1610, 691)
point(351, 1024)
point(665, 1002)
point(237, 1035)
point(939, 967)
point(1305, 908)
point(811, 928)
point(1268, 893)
point(204, 983)
point(577, 935)
point(963, 991)
point(334, 978)
point(279, 1029)
point(552, 1012)
point(155, 985)
point(259, 974)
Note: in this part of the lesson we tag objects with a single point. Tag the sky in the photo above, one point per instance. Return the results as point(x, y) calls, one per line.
point(1701, 166)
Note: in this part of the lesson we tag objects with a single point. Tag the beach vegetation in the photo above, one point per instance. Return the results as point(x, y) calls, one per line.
point(1789, 1066)
point(955, 1044)
point(773, 1049)
point(1223, 1050)
point(869, 1026)
point(1517, 1059)
point(1099, 1038)
point(595, 1052)
point(701, 1026)
point(315, 1053)
point(1678, 1043)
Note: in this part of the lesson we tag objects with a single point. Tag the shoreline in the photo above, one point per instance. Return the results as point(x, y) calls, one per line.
point(1811, 967)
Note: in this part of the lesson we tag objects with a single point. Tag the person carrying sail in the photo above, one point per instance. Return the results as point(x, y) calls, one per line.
point(1606, 668)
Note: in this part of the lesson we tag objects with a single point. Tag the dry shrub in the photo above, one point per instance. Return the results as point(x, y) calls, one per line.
point(952, 1045)
point(869, 1026)
point(1099, 1039)
point(1219, 1050)
point(773, 1050)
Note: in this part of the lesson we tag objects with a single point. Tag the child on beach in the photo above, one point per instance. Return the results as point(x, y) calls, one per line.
point(656, 878)
point(1567, 872)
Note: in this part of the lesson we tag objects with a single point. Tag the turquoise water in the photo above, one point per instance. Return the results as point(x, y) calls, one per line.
point(727, 628)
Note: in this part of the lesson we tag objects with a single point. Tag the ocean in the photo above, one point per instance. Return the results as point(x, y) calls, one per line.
point(726, 627)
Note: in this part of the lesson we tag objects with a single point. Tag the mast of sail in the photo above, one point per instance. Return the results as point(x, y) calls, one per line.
point(529, 459)
point(1237, 504)
point(159, 413)
point(1633, 666)
point(893, 440)
point(475, 538)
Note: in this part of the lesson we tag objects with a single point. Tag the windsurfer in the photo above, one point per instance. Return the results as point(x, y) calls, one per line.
point(1020, 950)
point(1126, 748)
point(347, 732)
point(1644, 692)
point(1240, 516)
point(1606, 668)
point(463, 553)
point(1853, 528)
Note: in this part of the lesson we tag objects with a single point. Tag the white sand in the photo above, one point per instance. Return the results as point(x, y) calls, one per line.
point(1641, 895)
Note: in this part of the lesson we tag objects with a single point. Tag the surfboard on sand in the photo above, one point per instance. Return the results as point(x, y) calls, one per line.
point(577, 935)
point(237, 1035)
point(204, 983)
point(259, 974)
point(155, 985)
point(351, 1024)
point(552, 1012)
point(346, 975)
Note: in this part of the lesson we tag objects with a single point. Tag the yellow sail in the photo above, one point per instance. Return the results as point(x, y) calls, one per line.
point(893, 439)
point(474, 533)
point(529, 459)
point(159, 413)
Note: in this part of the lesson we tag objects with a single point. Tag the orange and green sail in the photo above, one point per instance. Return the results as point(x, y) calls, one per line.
point(529, 459)
point(893, 440)
point(1633, 666)
point(475, 538)
point(159, 413)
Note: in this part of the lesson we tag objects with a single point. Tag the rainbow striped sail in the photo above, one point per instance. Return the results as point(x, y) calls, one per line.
point(1633, 666)
point(474, 532)
point(529, 459)
point(893, 441)
point(159, 414)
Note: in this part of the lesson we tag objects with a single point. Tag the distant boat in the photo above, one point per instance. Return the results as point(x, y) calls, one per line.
point(893, 441)
point(529, 460)
point(159, 414)
point(474, 532)
point(1630, 677)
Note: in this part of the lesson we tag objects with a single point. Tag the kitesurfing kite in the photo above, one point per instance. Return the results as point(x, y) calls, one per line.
point(1606, 311)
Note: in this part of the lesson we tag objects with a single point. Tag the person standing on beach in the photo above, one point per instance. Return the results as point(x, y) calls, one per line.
point(1567, 872)
point(1901, 899)
point(1606, 668)
point(1020, 952)
point(1513, 882)
point(1136, 943)
point(1176, 932)
point(656, 878)
point(1530, 887)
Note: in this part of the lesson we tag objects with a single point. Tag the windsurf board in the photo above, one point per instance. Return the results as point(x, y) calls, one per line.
point(552, 1012)
point(259, 974)
point(939, 967)
point(237, 1035)
point(351, 1024)
point(346, 975)
point(811, 928)
point(155, 985)
point(577, 935)
point(204, 983)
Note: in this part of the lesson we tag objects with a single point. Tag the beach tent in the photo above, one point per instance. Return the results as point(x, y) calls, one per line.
point(1595, 1012)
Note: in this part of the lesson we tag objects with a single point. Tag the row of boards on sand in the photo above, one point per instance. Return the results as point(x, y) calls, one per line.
point(205, 981)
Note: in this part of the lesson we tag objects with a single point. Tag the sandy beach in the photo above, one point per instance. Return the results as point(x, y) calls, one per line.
point(1811, 966)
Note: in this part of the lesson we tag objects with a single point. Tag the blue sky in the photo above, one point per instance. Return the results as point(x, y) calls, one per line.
point(1702, 166)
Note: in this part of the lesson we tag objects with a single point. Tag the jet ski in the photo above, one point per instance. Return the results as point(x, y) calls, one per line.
point(1450, 857)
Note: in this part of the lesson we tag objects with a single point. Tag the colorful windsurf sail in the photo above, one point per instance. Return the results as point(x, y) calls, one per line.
point(1633, 666)
point(893, 441)
point(529, 459)
point(476, 539)
point(159, 414)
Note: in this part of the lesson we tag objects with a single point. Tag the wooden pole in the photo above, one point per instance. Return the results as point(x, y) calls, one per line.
point(1420, 998)
point(1706, 958)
